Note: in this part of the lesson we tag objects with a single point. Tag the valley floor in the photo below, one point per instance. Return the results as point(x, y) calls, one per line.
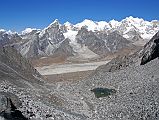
point(69, 67)
point(68, 77)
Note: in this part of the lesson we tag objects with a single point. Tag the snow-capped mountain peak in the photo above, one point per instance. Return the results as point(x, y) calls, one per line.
point(68, 25)
point(130, 18)
point(133, 21)
point(28, 30)
point(103, 25)
point(93, 25)
point(55, 22)
point(89, 24)
point(2, 30)
point(9, 32)
point(114, 23)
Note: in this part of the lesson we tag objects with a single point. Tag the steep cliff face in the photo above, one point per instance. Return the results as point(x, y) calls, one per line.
point(150, 50)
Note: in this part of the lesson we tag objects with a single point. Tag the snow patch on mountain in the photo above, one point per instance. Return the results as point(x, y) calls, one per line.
point(102, 25)
point(27, 30)
point(68, 25)
point(82, 51)
point(2, 30)
point(114, 24)
point(146, 29)
point(9, 32)
point(93, 26)
point(56, 21)
point(89, 24)
point(72, 36)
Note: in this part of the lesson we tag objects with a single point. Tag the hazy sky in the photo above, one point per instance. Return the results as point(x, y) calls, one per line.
point(19, 14)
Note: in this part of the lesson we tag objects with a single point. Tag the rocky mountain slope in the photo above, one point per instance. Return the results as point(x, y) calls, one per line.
point(134, 89)
point(102, 45)
point(8, 37)
point(128, 93)
point(23, 92)
point(150, 50)
point(47, 42)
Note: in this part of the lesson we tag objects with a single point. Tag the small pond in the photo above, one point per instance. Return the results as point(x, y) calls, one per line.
point(103, 92)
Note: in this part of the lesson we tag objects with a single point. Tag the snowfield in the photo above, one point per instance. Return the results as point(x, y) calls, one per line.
point(82, 51)
point(68, 68)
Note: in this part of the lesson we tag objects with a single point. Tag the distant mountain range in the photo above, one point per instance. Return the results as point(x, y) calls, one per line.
point(88, 39)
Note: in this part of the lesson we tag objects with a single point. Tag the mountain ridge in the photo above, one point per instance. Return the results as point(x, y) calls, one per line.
point(34, 43)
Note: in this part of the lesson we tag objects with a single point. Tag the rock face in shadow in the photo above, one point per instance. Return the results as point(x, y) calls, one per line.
point(8, 107)
point(150, 50)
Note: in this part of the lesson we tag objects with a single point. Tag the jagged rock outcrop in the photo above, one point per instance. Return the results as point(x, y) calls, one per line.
point(150, 50)
point(8, 107)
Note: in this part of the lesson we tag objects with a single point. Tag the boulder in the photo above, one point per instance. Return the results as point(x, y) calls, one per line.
point(8, 107)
